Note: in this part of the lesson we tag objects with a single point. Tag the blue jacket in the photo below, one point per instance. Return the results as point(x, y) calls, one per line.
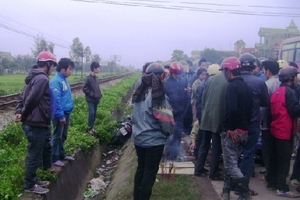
point(178, 96)
point(146, 131)
point(63, 96)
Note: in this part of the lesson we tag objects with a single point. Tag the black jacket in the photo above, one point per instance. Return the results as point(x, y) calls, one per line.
point(238, 105)
point(260, 94)
point(91, 89)
point(35, 101)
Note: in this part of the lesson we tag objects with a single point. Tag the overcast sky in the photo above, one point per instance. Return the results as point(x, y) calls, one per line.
point(139, 30)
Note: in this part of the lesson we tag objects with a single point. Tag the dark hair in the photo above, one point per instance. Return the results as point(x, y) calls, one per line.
point(145, 66)
point(201, 61)
point(236, 72)
point(293, 65)
point(94, 65)
point(64, 64)
point(200, 71)
point(272, 66)
point(190, 63)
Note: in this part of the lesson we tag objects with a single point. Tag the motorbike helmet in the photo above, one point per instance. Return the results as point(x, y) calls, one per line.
point(176, 68)
point(231, 63)
point(282, 64)
point(155, 68)
point(213, 69)
point(248, 61)
point(287, 73)
point(46, 56)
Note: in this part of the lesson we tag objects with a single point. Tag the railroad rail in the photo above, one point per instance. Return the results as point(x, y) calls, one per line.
point(11, 100)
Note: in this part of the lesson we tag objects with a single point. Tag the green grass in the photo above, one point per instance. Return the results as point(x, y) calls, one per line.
point(14, 83)
point(179, 188)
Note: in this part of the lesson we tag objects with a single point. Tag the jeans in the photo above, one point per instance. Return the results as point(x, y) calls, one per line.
point(231, 154)
point(173, 142)
point(296, 167)
point(92, 113)
point(247, 162)
point(280, 157)
point(199, 140)
point(216, 151)
point(60, 132)
point(38, 152)
point(145, 175)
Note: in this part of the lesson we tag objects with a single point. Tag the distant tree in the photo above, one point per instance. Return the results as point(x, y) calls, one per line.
point(40, 44)
point(87, 56)
point(24, 62)
point(96, 58)
point(178, 55)
point(212, 56)
point(77, 52)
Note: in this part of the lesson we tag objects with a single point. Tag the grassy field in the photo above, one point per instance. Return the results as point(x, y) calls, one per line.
point(14, 83)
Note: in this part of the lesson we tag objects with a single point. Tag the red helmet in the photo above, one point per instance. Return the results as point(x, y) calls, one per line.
point(231, 63)
point(46, 56)
point(176, 68)
point(155, 68)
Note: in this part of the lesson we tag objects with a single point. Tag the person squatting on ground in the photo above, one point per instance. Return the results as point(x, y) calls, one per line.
point(176, 89)
point(93, 94)
point(34, 109)
point(147, 134)
point(285, 109)
point(210, 113)
point(235, 127)
point(64, 106)
point(260, 98)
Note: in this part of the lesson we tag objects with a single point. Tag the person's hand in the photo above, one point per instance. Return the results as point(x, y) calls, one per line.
point(18, 117)
point(63, 121)
point(234, 135)
point(192, 145)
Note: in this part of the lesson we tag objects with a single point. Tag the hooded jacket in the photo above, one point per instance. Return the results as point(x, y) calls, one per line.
point(35, 101)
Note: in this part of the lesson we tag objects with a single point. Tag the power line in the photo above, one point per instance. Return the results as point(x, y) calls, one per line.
point(186, 5)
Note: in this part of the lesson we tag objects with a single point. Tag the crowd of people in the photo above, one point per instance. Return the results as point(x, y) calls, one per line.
point(45, 102)
point(224, 109)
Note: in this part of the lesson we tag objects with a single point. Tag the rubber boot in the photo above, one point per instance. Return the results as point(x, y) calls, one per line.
point(226, 187)
point(243, 189)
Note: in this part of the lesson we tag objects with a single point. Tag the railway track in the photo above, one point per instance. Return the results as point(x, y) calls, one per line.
point(11, 100)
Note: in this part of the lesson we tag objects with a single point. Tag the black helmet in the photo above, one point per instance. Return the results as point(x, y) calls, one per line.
point(287, 73)
point(155, 68)
point(248, 61)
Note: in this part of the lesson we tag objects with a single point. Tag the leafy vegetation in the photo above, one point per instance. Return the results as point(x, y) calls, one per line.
point(14, 83)
point(13, 142)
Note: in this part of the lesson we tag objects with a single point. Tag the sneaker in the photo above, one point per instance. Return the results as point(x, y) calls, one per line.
point(42, 183)
point(58, 163)
point(294, 182)
point(288, 194)
point(69, 158)
point(218, 177)
point(91, 132)
point(37, 190)
point(203, 172)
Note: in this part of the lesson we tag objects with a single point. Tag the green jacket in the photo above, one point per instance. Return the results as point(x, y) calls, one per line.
point(213, 103)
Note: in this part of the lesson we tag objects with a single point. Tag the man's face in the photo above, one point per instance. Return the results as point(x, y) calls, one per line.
point(203, 65)
point(267, 73)
point(67, 72)
point(97, 70)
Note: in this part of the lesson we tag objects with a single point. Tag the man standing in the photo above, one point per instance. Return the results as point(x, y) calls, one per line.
point(93, 95)
point(34, 110)
point(260, 99)
point(64, 106)
point(235, 127)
